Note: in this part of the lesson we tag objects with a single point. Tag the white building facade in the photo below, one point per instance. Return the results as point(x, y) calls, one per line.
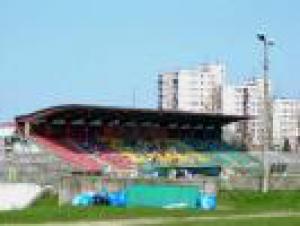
point(204, 90)
point(246, 99)
point(286, 123)
point(196, 90)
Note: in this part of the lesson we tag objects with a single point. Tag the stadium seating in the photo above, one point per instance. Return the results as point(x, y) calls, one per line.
point(234, 159)
point(116, 159)
point(78, 160)
point(85, 157)
point(187, 152)
point(124, 154)
point(169, 152)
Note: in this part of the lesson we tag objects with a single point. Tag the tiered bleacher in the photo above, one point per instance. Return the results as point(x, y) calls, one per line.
point(125, 154)
point(96, 138)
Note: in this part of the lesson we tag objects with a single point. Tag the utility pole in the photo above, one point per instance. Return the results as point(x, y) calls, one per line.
point(134, 98)
point(267, 111)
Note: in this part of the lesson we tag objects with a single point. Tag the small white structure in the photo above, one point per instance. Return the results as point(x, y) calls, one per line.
point(7, 129)
point(18, 195)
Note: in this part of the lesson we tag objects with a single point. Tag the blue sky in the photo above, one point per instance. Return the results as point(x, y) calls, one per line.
point(92, 51)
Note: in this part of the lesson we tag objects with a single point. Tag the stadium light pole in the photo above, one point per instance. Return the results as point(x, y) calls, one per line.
point(267, 112)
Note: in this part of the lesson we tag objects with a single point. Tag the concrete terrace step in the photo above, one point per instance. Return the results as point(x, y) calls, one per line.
point(79, 160)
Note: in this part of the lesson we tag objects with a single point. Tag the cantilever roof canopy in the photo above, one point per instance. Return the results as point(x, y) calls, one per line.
point(92, 113)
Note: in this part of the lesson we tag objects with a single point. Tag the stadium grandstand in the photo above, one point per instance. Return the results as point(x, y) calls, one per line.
point(132, 142)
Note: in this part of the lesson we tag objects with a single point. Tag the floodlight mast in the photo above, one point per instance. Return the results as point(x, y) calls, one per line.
point(267, 111)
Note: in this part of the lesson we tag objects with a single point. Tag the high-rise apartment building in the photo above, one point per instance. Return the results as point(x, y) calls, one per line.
point(197, 90)
point(203, 89)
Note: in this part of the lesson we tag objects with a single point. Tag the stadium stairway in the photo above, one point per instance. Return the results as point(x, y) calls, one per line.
point(78, 160)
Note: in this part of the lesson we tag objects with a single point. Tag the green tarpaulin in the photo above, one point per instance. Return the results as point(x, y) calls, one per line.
point(165, 196)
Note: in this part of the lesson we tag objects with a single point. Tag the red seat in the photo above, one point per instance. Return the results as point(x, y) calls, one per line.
point(79, 160)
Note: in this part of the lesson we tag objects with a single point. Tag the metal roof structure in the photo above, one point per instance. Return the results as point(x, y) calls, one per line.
point(92, 113)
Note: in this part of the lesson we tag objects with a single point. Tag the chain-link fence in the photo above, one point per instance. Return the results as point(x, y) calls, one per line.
point(276, 182)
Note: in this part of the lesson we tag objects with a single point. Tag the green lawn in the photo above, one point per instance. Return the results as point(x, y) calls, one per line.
point(47, 210)
point(256, 201)
point(285, 221)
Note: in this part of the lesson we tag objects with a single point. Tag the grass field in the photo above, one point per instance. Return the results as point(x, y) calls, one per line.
point(229, 203)
point(285, 221)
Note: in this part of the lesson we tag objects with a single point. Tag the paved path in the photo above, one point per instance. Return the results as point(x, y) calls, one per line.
point(159, 220)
